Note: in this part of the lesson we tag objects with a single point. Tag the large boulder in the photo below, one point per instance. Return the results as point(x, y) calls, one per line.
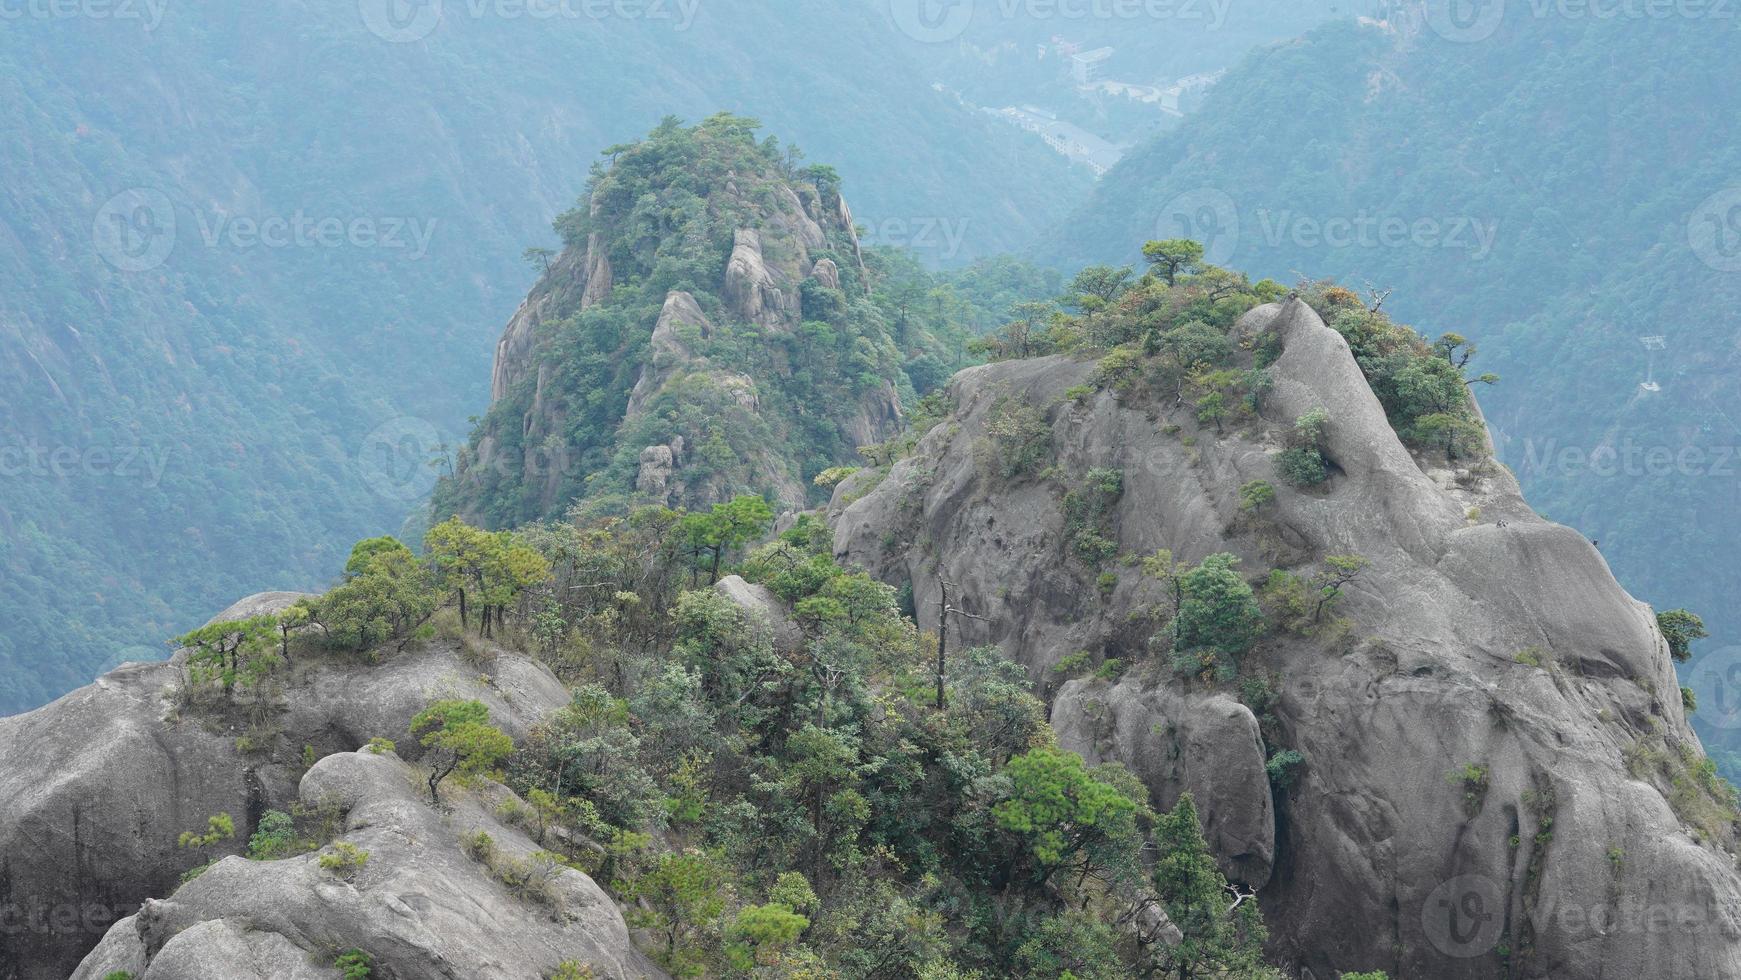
point(1498, 774)
point(422, 904)
point(96, 787)
point(764, 611)
point(753, 289)
point(670, 351)
point(1176, 742)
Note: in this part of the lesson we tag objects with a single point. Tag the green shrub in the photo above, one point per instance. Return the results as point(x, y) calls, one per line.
point(274, 837)
point(1532, 657)
point(1282, 767)
point(1473, 777)
point(1302, 466)
point(1074, 665)
point(831, 477)
point(1111, 670)
point(355, 964)
point(1680, 628)
point(378, 745)
point(1088, 515)
point(478, 845)
point(1256, 495)
point(1119, 369)
point(1017, 438)
point(1302, 463)
point(345, 860)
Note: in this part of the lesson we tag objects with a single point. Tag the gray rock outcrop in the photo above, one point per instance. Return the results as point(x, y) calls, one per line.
point(421, 905)
point(669, 352)
point(96, 787)
point(1177, 742)
point(752, 288)
point(764, 611)
point(1498, 772)
point(827, 273)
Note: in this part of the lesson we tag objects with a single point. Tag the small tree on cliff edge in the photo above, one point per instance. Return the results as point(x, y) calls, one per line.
point(460, 738)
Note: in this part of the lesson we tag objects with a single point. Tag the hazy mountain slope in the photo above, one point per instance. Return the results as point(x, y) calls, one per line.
point(1574, 180)
point(275, 399)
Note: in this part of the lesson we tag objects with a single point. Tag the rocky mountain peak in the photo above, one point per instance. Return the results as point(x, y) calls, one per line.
point(690, 252)
point(1493, 720)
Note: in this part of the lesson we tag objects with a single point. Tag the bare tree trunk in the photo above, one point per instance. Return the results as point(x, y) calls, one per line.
point(942, 644)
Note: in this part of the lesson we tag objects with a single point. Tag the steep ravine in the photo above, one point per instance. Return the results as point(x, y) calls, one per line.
point(1483, 641)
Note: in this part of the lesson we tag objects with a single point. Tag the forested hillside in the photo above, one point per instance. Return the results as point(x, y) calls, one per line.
point(253, 277)
point(1558, 189)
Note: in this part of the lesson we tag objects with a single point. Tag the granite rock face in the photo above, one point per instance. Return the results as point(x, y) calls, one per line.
point(420, 906)
point(96, 788)
point(1178, 742)
point(1467, 805)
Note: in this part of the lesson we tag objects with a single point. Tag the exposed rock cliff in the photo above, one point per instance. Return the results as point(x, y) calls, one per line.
point(421, 906)
point(1494, 780)
point(98, 786)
